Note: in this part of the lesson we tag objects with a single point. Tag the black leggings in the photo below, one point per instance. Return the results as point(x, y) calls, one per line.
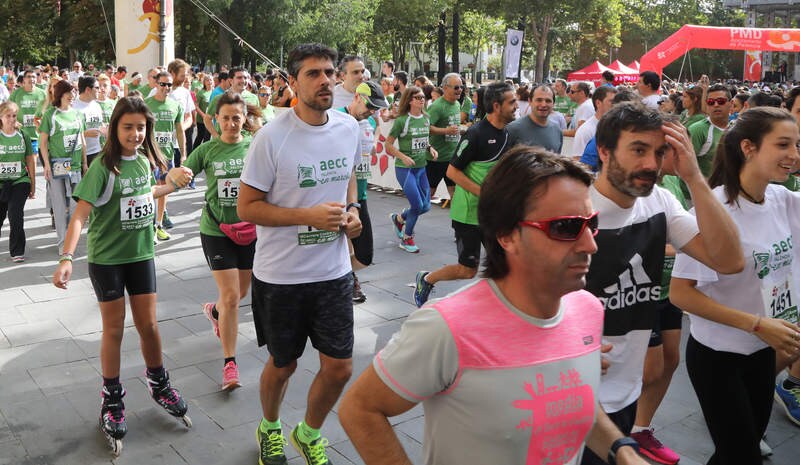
point(363, 245)
point(12, 204)
point(735, 393)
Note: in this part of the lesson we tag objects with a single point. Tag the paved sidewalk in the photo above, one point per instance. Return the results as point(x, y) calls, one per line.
point(49, 356)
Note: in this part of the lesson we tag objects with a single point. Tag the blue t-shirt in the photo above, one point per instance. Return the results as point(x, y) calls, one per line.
point(589, 156)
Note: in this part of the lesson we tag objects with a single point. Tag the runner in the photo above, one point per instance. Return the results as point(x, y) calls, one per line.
point(17, 162)
point(231, 262)
point(105, 102)
point(480, 149)
point(29, 100)
point(637, 220)
point(118, 193)
point(169, 117)
point(63, 151)
point(203, 96)
point(445, 116)
point(411, 129)
point(491, 362)
point(302, 199)
point(92, 114)
point(742, 322)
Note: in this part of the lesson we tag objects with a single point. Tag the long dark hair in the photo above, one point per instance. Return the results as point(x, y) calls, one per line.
point(751, 125)
point(405, 100)
point(112, 150)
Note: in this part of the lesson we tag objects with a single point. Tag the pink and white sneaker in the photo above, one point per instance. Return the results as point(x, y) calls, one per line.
point(230, 377)
point(654, 449)
point(207, 308)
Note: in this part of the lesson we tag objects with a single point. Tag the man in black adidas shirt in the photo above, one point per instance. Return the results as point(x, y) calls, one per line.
point(637, 219)
point(476, 153)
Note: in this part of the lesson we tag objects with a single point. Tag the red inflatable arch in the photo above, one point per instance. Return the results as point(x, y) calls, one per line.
point(719, 38)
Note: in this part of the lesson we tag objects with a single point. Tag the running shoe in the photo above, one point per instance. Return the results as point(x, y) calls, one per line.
point(208, 308)
point(397, 225)
point(423, 289)
point(161, 234)
point(407, 244)
point(653, 449)
point(270, 447)
point(230, 377)
point(167, 223)
point(358, 294)
point(313, 453)
point(18, 259)
point(789, 399)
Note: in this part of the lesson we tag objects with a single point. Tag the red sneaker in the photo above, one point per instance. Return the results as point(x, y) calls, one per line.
point(653, 449)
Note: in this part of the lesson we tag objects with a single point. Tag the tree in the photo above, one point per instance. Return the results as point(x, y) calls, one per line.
point(478, 31)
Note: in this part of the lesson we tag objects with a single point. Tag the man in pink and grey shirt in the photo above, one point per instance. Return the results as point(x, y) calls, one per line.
point(506, 368)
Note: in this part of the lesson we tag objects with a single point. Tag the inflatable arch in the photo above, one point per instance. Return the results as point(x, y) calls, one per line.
point(718, 38)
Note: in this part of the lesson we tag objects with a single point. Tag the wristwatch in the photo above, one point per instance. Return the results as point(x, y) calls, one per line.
point(353, 204)
point(621, 442)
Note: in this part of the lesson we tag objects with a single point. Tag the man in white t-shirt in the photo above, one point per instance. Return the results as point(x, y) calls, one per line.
point(298, 186)
point(647, 86)
point(491, 361)
point(637, 220)
point(581, 94)
point(87, 105)
point(602, 100)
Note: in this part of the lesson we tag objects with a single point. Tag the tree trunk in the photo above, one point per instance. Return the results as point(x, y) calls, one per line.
point(539, 32)
point(442, 43)
point(456, 50)
point(548, 54)
point(225, 42)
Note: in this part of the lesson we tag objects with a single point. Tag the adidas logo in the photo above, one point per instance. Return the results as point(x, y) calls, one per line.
point(633, 286)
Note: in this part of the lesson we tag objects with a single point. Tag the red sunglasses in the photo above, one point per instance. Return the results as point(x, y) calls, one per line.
point(719, 101)
point(565, 228)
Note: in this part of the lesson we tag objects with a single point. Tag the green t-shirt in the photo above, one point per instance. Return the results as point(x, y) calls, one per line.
point(107, 106)
point(202, 99)
point(223, 165)
point(443, 114)
point(705, 136)
point(43, 86)
point(672, 184)
point(14, 151)
point(687, 120)
point(169, 115)
point(466, 107)
point(196, 84)
point(64, 129)
point(564, 105)
point(793, 183)
point(121, 222)
point(29, 103)
point(412, 134)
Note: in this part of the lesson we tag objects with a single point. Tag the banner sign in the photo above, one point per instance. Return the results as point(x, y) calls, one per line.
point(137, 41)
point(513, 52)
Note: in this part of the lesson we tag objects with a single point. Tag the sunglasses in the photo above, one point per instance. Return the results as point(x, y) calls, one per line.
point(716, 101)
point(418, 97)
point(165, 84)
point(456, 87)
point(263, 95)
point(565, 228)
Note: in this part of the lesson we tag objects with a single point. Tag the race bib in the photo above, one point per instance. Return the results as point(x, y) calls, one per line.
point(419, 143)
point(780, 300)
point(362, 168)
point(308, 235)
point(60, 167)
point(28, 120)
point(10, 169)
point(228, 191)
point(136, 212)
point(163, 138)
point(71, 142)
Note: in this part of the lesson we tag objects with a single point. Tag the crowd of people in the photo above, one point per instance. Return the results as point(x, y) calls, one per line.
point(602, 215)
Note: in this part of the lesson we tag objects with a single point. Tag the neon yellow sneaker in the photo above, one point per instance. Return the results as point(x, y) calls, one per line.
point(270, 447)
point(161, 234)
point(313, 453)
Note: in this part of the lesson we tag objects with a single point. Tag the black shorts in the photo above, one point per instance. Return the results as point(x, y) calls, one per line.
point(224, 254)
point(436, 171)
point(111, 281)
point(468, 244)
point(668, 317)
point(90, 158)
point(287, 315)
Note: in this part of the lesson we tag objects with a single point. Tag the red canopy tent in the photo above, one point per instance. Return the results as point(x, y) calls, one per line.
point(623, 73)
point(592, 73)
point(635, 65)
